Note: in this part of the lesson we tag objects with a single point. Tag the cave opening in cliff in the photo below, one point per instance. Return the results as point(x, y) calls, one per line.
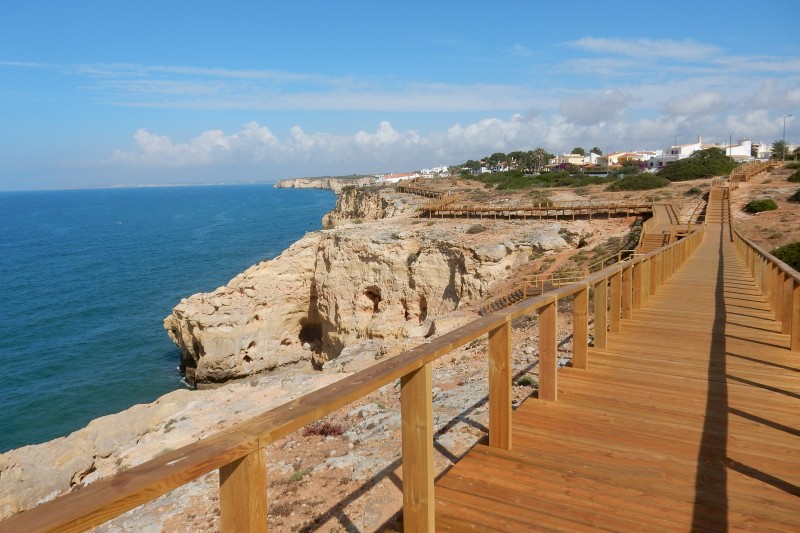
point(311, 334)
point(374, 295)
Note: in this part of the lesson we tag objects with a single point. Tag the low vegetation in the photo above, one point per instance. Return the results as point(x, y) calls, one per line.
point(795, 197)
point(764, 204)
point(701, 164)
point(638, 182)
point(789, 254)
point(516, 179)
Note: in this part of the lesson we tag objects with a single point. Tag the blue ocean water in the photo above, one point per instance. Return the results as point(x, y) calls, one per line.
point(87, 277)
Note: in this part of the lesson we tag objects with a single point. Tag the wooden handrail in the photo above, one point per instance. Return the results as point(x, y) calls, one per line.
point(239, 452)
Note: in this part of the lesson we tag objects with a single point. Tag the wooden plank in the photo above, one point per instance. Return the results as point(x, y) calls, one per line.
point(243, 494)
point(500, 370)
point(548, 353)
point(417, 446)
point(627, 291)
point(580, 329)
point(615, 301)
point(600, 314)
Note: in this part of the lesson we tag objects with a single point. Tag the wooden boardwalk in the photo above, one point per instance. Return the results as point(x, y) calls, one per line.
point(689, 420)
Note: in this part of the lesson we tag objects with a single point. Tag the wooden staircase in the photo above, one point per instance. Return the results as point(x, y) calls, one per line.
point(717, 211)
point(653, 241)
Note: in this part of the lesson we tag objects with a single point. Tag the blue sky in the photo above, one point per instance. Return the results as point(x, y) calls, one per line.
point(99, 93)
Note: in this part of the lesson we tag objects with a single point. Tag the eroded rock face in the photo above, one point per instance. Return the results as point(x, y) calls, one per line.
point(357, 204)
point(254, 323)
point(331, 289)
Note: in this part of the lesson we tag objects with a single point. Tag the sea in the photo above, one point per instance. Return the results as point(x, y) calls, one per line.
point(88, 276)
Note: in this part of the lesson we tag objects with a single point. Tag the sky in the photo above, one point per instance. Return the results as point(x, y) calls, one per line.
point(112, 92)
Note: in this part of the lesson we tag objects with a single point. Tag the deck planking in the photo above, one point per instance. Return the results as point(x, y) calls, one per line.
point(687, 421)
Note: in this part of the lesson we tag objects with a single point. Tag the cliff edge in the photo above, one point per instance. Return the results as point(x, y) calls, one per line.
point(333, 184)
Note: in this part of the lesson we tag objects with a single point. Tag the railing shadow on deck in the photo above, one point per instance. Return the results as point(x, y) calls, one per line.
point(239, 452)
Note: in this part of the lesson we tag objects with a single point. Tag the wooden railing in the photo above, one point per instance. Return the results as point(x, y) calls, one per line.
point(239, 453)
point(779, 282)
point(747, 170)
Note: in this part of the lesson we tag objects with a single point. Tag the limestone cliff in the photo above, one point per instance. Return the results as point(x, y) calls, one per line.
point(334, 184)
point(331, 289)
point(387, 279)
point(360, 204)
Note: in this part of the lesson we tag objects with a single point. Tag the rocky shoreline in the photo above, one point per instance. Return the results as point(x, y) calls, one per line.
point(377, 281)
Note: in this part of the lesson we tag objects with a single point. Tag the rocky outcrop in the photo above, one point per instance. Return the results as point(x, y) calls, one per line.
point(257, 322)
point(333, 184)
point(331, 289)
point(360, 204)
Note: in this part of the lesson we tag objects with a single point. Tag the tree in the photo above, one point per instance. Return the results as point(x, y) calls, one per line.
point(578, 150)
point(596, 150)
point(539, 158)
point(778, 149)
point(496, 157)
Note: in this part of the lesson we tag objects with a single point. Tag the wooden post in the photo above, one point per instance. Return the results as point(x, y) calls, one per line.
point(766, 282)
point(548, 352)
point(627, 291)
point(601, 314)
point(243, 494)
point(638, 285)
point(786, 319)
point(795, 335)
point(500, 387)
point(416, 412)
point(654, 274)
point(616, 300)
point(645, 281)
point(777, 293)
point(580, 329)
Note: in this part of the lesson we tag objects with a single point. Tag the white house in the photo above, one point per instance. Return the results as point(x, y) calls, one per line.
point(675, 152)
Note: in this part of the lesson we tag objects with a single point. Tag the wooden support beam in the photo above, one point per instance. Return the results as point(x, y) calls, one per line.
point(548, 352)
point(638, 288)
point(500, 370)
point(786, 319)
point(778, 293)
point(416, 411)
point(795, 334)
point(627, 291)
point(653, 274)
point(243, 494)
point(616, 300)
point(580, 329)
point(601, 314)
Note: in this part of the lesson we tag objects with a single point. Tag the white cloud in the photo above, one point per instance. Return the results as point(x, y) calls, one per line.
point(687, 50)
point(590, 109)
point(700, 103)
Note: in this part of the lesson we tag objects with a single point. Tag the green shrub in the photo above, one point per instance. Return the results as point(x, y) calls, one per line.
point(475, 228)
point(638, 182)
point(701, 164)
point(794, 178)
point(757, 206)
point(795, 197)
point(526, 381)
point(794, 165)
point(694, 191)
point(789, 254)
